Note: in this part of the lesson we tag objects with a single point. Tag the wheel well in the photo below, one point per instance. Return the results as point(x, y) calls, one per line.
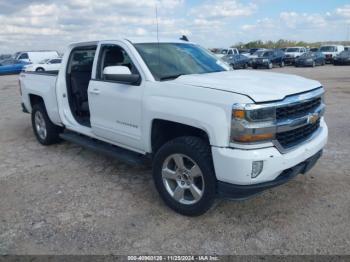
point(164, 131)
point(34, 100)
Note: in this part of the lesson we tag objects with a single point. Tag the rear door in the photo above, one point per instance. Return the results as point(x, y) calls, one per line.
point(115, 108)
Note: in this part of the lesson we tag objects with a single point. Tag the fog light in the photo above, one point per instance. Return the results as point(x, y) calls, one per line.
point(257, 167)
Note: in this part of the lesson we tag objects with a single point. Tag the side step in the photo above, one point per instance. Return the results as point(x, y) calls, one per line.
point(122, 154)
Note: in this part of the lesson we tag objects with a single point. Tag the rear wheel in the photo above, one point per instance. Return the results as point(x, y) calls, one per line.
point(184, 175)
point(46, 132)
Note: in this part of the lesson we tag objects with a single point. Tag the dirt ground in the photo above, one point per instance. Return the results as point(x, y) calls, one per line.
point(65, 199)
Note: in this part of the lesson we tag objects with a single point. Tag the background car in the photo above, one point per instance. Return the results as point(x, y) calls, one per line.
point(343, 58)
point(237, 61)
point(314, 49)
point(45, 65)
point(11, 66)
point(268, 59)
point(35, 56)
point(310, 59)
point(331, 51)
point(293, 53)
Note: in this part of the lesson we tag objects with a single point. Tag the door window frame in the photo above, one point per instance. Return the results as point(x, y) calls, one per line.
point(98, 69)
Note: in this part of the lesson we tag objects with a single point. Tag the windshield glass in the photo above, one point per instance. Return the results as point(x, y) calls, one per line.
point(168, 60)
point(293, 50)
point(259, 53)
point(309, 54)
point(44, 61)
point(345, 54)
point(327, 49)
point(267, 54)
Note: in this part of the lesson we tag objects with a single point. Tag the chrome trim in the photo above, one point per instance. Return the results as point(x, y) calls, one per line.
point(287, 101)
point(245, 127)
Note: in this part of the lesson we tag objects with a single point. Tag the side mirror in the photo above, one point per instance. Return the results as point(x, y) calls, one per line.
point(120, 74)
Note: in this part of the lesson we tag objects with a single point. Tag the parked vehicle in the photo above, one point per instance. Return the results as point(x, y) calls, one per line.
point(3, 57)
point(228, 51)
point(11, 66)
point(292, 53)
point(208, 131)
point(268, 59)
point(45, 65)
point(331, 51)
point(346, 48)
point(35, 56)
point(237, 61)
point(343, 58)
point(311, 59)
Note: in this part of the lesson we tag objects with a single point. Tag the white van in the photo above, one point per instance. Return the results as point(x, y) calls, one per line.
point(36, 56)
point(331, 51)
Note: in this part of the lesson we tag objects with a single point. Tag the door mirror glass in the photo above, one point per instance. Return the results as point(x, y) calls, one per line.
point(120, 74)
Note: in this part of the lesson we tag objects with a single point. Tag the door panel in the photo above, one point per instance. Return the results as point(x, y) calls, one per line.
point(115, 108)
point(115, 112)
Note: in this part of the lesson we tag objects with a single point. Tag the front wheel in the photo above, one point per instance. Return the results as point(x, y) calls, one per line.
point(184, 175)
point(270, 65)
point(282, 64)
point(46, 132)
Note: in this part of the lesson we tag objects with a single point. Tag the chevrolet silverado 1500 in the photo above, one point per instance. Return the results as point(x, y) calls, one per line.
point(208, 131)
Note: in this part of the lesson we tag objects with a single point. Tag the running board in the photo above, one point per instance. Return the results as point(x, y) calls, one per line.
point(119, 153)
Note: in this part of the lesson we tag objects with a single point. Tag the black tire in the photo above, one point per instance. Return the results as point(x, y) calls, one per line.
point(245, 66)
point(255, 67)
point(52, 131)
point(199, 151)
point(40, 69)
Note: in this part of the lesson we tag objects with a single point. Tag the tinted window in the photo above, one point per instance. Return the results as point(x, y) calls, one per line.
point(55, 61)
point(327, 49)
point(81, 59)
point(24, 56)
point(113, 55)
point(170, 59)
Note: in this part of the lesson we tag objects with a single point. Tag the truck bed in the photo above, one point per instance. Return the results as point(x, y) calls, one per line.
point(41, 84)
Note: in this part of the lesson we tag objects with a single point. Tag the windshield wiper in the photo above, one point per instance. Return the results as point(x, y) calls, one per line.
point(170, 77)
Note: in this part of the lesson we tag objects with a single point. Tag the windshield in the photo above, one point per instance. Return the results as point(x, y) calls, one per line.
point(259, 53)
point(309, 54)
point(292, 50)
point(267, 54)
point(345, 54)
point(327, 49)
point(169, 60)
point(44, 61)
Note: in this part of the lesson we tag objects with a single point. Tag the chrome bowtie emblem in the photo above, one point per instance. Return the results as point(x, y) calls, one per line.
point(313, 118)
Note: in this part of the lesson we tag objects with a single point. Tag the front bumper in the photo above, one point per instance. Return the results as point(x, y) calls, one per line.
point(230, 191)
point(260, 64)
point(303, 63)
point(234, 166)
point(289, 60)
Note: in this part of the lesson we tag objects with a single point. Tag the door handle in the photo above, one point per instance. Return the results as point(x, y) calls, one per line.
point(95, 91)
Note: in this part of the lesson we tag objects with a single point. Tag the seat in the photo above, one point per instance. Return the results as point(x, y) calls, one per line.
point(80, 78)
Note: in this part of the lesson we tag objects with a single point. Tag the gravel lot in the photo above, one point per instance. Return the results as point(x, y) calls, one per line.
point(65, 199)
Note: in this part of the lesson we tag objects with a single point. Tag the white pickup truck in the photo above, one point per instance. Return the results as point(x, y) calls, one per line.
point(207, 131)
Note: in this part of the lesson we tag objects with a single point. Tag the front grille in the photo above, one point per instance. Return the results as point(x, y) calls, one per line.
point(294, 137)
point(298, 110)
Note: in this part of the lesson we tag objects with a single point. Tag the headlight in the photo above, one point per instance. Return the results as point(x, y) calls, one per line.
point(245, 116)
point(265, 60)
point(309, 60)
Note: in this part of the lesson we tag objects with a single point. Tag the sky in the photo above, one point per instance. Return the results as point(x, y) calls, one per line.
point(53, 24)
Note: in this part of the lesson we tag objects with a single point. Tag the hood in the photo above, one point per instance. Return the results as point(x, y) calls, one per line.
point(259, 86)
